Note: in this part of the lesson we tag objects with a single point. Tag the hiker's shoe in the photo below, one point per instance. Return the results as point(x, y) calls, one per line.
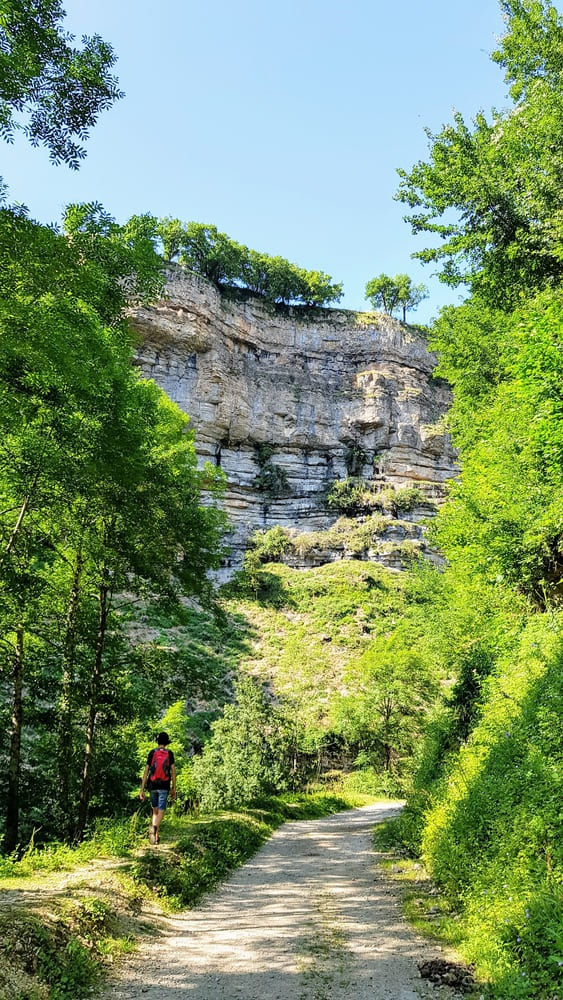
point(157, 838)
point(152, 836)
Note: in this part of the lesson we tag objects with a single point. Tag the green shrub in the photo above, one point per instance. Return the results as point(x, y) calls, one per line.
point(270, 546)
point(272, 480)
point(353, 535)
point(352, 496)
point(48, 953)
point(247, 754)
point(403, 500)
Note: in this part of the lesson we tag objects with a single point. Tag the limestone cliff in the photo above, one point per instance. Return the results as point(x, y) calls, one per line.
point(313, 396)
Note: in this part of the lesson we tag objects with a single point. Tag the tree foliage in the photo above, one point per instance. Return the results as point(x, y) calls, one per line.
point(99, 493)
point(393, 293)
point(483, 807)
point(50, 90)
point(491, 190)
point(246, 757)
point(203, 249)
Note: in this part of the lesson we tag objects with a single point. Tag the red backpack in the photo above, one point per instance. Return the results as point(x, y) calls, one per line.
point(160, 766)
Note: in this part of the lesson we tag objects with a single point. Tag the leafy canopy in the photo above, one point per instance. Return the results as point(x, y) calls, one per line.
point(490, 193)
point(203, 249)
point(391, 293)
point(50, 90)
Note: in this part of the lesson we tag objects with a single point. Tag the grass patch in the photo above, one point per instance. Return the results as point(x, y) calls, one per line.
point(427, 910)
point(56, 955)
point(109, 839)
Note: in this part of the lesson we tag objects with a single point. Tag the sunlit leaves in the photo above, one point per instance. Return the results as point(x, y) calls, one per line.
point(203, 249)
point(49, 89)
point(491, 191)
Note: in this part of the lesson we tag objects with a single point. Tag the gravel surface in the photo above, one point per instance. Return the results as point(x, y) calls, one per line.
point(310, 917)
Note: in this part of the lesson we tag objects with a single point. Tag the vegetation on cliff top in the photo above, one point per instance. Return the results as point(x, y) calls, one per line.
point(216, 256)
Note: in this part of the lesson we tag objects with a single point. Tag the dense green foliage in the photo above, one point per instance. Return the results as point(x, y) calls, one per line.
point(216, 256)
point(100, 493)
point(486, 805)
point(491, 191)
point(247, 756)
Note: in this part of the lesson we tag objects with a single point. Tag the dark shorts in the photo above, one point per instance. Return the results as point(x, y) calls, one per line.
point(158, 798)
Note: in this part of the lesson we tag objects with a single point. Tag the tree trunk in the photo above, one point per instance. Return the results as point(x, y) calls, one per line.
point(11, 835)
point(86, 789)
point(17, 527)
point(387, 748)
point(64, 720)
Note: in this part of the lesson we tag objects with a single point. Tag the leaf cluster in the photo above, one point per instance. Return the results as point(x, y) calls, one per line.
point(394, 293)
point(489, 195)
point(49, 89)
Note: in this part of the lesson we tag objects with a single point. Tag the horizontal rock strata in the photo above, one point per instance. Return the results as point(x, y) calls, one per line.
point(319, 394)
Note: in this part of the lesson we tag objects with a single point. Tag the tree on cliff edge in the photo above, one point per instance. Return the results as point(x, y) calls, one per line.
point(392, 293)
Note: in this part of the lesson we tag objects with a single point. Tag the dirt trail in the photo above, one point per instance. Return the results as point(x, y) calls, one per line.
point(308, 918)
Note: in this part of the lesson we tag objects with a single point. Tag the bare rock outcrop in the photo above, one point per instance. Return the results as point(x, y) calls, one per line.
point(314, 395)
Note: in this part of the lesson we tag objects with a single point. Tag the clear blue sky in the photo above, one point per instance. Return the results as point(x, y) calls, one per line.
point(282, 123)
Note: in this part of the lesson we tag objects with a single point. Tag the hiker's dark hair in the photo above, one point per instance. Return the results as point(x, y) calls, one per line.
point(163, 739)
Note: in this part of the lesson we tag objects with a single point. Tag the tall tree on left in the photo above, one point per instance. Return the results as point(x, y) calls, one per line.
point(50, 90)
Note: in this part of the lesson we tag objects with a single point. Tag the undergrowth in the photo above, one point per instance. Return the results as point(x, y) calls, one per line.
point(489, 825)
point(57, 955)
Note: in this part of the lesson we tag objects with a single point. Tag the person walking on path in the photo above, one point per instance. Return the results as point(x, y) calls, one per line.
point(160, 777)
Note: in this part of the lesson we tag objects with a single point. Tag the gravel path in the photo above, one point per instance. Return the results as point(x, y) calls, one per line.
point(308, 918)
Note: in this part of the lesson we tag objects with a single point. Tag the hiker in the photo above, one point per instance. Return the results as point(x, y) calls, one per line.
point(160, 776)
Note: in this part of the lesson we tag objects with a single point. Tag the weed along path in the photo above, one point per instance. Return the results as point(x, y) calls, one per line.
point(310, 917)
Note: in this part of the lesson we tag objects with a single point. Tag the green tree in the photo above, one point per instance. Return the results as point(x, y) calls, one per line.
point(50, 90)
point(409, 295)
point(248, 754)
point(203, 249)
point(390, 692)
point(492, 191)
point(99, 488)
point(382, 292)
point(391, 293)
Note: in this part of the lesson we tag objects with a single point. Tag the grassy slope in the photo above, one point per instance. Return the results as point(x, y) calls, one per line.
point(300, 634)
point(310, 626)
point(490, 827)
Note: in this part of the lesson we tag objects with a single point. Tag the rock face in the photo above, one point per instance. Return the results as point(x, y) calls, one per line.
point(288, 402)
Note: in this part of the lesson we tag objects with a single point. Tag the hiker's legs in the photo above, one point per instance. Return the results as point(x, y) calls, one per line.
point(158, 803)
point(157, 815)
